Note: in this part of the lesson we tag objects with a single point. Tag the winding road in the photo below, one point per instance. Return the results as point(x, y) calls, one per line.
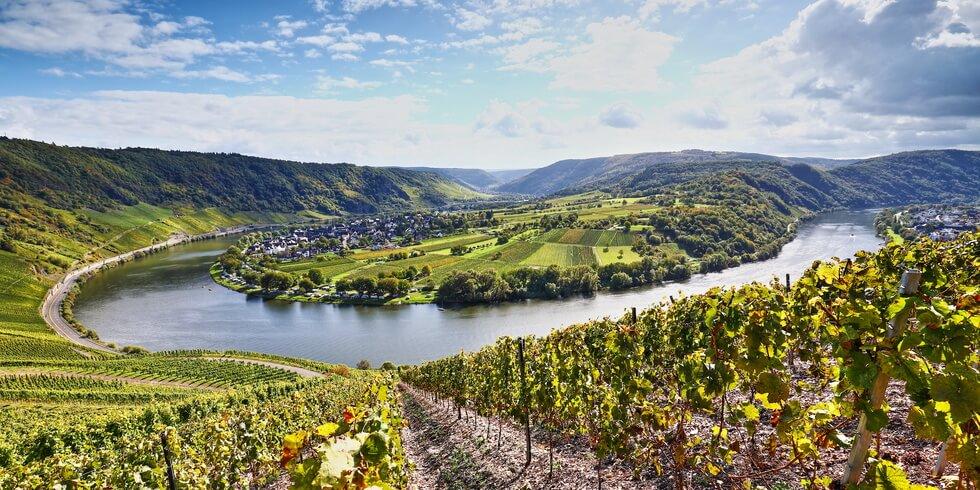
point(51, 307)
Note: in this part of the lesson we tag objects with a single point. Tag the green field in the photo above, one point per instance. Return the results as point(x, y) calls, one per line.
point(562, 255)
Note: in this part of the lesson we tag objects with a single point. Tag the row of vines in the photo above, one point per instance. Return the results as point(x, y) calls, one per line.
point(218, 441)
point(751, 384)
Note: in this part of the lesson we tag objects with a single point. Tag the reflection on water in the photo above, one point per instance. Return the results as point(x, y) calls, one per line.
point(168, 301)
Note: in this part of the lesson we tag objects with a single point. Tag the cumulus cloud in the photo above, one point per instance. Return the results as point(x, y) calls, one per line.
point(368, 130)
point(469, 20)
point(107, 30)
point(621, 116)
point(864, 57)
point(287, 28)
point(621, 56)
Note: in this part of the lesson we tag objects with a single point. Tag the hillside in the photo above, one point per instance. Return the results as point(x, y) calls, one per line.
point(922, 176)
point(915, 177)
point(474, 178)
point(592, 172)
point(70, 178)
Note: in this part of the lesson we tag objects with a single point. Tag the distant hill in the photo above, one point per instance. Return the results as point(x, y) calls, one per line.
point(824, 163)
point(69, 178)
point(921, 176)
point(593, 172)
point(476, 179)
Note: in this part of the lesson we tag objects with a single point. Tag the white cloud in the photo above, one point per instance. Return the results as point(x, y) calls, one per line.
point(394, 38)
point(364, 37)
point(107, 31)
point(621, 116)
point(346, 47)
point(311, 53)
point(469, 20)
point(367, 131)
point(521, 54)
point(358, 6)
point(651, 8)
point(226, 74)
point(60, 73)
point(621, 56)
point(287, 28)
point(327, 84)
point(344, 57)
point(321, 40)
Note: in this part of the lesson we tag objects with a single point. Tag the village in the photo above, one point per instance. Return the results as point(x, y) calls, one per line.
point(940, 222)
point(369, 233)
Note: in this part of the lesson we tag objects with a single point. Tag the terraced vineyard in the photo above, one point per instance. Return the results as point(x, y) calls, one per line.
point(70, 415)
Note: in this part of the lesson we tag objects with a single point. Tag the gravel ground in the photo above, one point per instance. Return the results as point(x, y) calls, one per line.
point(454, 453)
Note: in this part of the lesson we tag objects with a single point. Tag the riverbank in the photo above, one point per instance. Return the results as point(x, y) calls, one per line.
point(536, 282)
point(170, 302)
point(52, 307)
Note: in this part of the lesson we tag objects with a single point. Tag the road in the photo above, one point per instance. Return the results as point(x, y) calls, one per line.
point(51, 307)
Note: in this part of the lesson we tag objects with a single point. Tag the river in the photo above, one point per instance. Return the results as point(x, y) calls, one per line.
point(168, 301)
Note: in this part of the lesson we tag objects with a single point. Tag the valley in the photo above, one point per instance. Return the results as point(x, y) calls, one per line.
point(166, 339)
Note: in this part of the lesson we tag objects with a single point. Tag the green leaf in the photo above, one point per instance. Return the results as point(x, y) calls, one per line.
point(774, 386)
point(375, 447)
point(877, 419)
point(897, 307)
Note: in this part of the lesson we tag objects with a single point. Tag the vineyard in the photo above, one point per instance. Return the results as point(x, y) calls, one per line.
point(217, 441)
point(763, 384)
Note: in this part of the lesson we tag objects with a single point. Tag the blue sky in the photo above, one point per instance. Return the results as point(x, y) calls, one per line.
point(493, 83)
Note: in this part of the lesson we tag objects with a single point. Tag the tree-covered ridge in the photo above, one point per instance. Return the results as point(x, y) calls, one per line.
point(901, 178)
point(915, 177)
point(72, 178)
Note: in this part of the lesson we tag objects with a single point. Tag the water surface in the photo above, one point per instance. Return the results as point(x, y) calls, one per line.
point(168, 301)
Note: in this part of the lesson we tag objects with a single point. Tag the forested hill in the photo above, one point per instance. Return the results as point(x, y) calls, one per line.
point(68, 177)
point(915, 177)
point(921, 176)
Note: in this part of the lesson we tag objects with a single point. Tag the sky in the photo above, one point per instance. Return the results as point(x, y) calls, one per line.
point(492, 83)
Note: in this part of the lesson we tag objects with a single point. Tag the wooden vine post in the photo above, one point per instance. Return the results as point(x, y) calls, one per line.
point(859, 451)
point(168, 459)
point(527, 412)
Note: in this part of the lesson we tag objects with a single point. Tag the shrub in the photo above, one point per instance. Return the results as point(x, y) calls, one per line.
point(363, 364)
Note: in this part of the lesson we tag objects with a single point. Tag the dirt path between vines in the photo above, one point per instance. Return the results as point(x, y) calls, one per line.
point(452, 453)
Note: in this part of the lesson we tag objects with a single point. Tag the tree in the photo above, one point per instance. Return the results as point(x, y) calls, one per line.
point(306, 284)
point(364, 364)
point(364, 285)
point(342, 285)
point(620, 280)
point(316, 276)
point(426, 271)
point(474, 287)
point(276, 281)
point(388, 286)
point(459, 250)
point(411, 272)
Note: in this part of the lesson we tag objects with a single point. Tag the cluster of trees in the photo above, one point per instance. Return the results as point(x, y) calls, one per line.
point(386, 286)
point(553, 282)
point(551, 221)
